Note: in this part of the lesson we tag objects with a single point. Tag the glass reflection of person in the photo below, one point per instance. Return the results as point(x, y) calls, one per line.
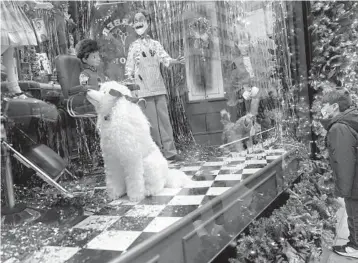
point(143, 66)
point(240, 79)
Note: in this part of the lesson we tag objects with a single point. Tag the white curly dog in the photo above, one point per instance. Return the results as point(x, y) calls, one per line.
point(133, 162)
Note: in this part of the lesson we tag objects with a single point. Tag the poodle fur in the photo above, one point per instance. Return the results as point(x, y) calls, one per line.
point(133, 162)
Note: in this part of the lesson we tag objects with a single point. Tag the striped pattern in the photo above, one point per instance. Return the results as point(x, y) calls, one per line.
point(16, 28)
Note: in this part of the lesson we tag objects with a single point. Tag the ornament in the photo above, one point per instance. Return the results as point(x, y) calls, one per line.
point(253, 253)
point(200, 30)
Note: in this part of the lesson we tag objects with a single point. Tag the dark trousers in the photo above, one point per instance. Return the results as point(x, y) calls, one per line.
point(352, 212)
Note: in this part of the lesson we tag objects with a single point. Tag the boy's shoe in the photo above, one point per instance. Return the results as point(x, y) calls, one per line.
point(346, 250)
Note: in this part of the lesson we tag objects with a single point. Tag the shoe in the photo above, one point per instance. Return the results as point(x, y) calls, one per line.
point(346, 250)
point(175, 158)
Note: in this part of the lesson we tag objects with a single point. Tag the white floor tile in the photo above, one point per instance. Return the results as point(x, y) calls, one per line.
point(145, 210)
point(160, 223)
point(236, 159)
point(169, 192)
point(256, 161)
point(122, 201)
point(217, 190)
point(213, 163)
point(276, 151)
point(251, 171)
point(228, 177)
point(239, 154)
point(186, 200)
point(199, 184)
point(114, 240)
point(97, 222)
point(190, 168)
point(202, 172)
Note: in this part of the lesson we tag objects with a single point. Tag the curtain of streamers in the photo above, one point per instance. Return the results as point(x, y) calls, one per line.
point(167, 28)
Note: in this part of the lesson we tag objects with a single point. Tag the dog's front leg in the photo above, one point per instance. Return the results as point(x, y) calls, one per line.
point(116, 186)
point(133, 175)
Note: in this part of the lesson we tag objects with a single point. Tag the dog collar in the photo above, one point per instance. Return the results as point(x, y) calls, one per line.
point(116, 93)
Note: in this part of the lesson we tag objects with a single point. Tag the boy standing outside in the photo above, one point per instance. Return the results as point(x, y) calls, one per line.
point(341, 122)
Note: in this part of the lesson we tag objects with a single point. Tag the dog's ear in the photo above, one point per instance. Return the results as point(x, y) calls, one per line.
point(115, 93)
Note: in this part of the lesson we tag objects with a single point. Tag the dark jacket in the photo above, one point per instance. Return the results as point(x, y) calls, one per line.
point(90, 76)
point(342, 143)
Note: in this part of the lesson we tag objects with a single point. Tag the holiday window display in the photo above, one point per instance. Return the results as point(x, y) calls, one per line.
point(120, 40)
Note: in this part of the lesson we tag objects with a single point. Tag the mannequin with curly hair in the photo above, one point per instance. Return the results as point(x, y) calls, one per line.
point(87, 51)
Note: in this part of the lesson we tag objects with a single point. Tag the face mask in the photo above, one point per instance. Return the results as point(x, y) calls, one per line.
point(141, 31)
point(327, 111)
point(140, 24)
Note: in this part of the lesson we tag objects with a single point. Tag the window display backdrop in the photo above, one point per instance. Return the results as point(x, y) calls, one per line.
point(111, 26)
point(229, 46)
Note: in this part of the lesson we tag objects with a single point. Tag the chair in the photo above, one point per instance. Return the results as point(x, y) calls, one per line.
point(47, 164)
point(68, 72)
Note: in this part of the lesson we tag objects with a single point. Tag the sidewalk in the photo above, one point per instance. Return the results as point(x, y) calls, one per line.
point(341, 239)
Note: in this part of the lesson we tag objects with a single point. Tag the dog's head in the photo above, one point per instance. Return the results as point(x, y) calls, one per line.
point(102, 99)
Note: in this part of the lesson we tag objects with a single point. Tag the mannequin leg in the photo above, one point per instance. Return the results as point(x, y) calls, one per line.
point(9, 63)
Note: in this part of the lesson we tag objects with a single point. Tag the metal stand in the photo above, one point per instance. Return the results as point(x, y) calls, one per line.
point(13, 214)
point(38, 171)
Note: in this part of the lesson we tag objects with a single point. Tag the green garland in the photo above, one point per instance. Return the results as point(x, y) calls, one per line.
point(297, 231)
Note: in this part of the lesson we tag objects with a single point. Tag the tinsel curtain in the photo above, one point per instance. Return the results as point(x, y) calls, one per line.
point(73, 139)
point(167, 28)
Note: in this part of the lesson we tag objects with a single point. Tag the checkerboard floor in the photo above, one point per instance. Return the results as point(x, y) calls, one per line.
point(121, 225)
